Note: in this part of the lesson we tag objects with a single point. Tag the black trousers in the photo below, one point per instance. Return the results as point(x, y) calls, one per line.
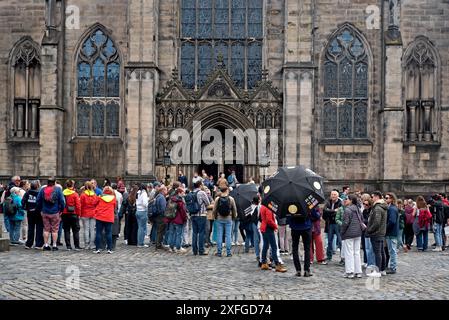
point(35, 226)
point(71, 222)
point(379, 252)
point(409, 234)
point(161, 228)
point(306, 240)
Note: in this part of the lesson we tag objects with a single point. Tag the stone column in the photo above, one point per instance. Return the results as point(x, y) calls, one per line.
point(393, 116)
point(291, 113)
point(142, 86)
point(50, 113)
point(306, 119)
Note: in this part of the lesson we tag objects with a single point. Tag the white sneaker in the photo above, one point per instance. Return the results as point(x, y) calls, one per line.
point(239, 243)
point(232, 243)
point(364, 265)
point(110, 251)
point(182, 250)
point(125, 242)
point(166, 246)
point(144, 246)
point(374, 274)
point(96, 251)
point(384, 273)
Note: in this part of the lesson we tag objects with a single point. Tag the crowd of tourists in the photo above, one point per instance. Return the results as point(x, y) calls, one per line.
point(200, 214)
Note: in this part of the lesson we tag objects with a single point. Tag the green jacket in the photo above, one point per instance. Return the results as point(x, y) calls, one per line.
point(339, 215)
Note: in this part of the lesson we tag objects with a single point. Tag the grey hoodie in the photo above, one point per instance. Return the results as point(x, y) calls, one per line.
point(377, 221)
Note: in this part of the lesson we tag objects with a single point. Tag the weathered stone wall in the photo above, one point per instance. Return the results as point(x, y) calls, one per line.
point(431, 19)
point(114, 16)
point(347, 162)
point(17, 19)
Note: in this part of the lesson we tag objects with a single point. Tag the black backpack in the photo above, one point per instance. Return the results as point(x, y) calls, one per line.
point(224, 206)
point(10, 208)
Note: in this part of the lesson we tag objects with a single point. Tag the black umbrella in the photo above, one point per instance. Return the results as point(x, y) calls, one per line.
point(243, 195)
point(293, 191)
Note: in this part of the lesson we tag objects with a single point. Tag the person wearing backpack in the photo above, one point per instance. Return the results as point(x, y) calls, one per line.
point(224, 212)
point(35, 224)
point(70, 215)
point(197, 202)
point(437, 210)
point(142, 215)
point(421, 225)
point(15, 181)
point(177, 220)
point(13, 209)
point(51, 203)
point(104, 216)
point(89, 201)
point(255, 221)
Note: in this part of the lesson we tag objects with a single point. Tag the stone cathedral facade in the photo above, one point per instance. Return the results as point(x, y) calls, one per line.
point(357, 89)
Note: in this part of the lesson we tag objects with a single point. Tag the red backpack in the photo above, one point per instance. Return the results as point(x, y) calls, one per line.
point(49, 194)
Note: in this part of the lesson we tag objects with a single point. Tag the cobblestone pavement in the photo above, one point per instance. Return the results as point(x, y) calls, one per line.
point(143, 273)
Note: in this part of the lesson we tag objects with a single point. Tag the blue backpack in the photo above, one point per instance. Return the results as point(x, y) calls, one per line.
point(193, 207)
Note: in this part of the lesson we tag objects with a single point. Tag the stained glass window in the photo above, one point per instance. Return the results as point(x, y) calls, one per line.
point(231, 28)
point(98, 106)
point(345, 73)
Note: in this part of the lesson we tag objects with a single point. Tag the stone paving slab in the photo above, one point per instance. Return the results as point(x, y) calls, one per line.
point(144, 273)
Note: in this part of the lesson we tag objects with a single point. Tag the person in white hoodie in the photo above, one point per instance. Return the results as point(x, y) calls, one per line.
point(142, 215)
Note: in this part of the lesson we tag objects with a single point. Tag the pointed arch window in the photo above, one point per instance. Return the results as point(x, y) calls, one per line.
point(421, 91)
point(98, 87)
point(26, 89)
point(345, 74)
point(229, 29)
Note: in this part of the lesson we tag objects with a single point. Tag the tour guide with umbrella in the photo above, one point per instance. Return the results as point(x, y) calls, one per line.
point(292, 191)
point(243, 195)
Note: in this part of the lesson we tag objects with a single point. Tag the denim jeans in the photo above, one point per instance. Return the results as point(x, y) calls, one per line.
point(198, 234)
point(400, 237)
point(168, 235)
point(370, 258)
point(334, 229)
point(422, 239)
point(107, 227)
point(175, 235)
point(392, 243)
point(89, 231)
point(35, 230)
point(249, 240)
point(235, 230)
point(256, 238)
point(269, 240)
point(438, 229)
point(224, 226)
point(14, 230)
point(142, 219)
point(379, 253)
point(6, 221)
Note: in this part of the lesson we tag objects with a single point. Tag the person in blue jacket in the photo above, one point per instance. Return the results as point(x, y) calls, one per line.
point(15, 221)
point(301, 226)
point(391, 235)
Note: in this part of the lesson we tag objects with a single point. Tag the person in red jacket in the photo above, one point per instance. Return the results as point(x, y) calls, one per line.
point(176, 224)
point(268, 228)
point(89, 201)
point(70, 215)
point(104, 214)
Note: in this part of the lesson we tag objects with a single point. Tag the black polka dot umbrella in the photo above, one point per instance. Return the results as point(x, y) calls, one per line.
point(293, 191)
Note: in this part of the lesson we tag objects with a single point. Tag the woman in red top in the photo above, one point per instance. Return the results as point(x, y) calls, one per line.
point(268, 228)
point(89, 201)
point(423, 217)
point(104, 214)
point(176, 224)
point(70, 215)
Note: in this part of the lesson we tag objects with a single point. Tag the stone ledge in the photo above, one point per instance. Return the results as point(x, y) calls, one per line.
point(348, 148)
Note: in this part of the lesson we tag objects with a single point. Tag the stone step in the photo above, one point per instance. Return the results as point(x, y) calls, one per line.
point(4, 244)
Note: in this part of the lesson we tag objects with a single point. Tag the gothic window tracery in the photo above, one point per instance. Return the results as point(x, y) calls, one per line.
point(345, 73)
point(98, 86)
point(230, 30)
point(26, 89)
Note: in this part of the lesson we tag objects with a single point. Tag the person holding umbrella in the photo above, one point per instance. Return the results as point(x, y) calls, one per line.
point(268, 228)
point(301, 226)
